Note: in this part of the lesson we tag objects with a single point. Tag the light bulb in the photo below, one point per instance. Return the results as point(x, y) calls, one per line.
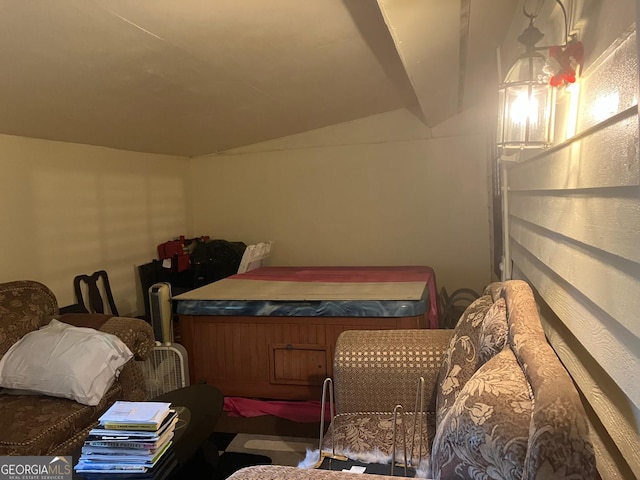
point(524, 108)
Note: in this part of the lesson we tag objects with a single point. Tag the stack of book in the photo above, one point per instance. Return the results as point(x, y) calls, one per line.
point(132, 437)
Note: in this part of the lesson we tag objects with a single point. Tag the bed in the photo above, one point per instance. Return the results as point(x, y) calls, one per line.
point(270, 332)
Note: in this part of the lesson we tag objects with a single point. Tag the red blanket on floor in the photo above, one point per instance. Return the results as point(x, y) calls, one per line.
point(304, 412)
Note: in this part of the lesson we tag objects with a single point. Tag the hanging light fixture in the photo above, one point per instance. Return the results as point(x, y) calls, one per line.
point(526, 99)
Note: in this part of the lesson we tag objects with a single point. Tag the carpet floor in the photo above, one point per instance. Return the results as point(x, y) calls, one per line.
point(281, 450)
point(236, 451)
point(214, 462)
point(240, 442)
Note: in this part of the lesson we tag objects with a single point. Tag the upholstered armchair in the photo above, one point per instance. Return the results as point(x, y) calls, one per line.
point(496, 397)
point(37, 424)
point(374, 372)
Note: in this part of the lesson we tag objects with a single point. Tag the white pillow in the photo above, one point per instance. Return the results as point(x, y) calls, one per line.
point(64, 361)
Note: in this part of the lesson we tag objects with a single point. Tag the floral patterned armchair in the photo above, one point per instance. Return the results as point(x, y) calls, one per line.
point(498, 403)
point(33, 424)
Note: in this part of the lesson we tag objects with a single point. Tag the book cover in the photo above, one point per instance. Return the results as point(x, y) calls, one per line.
point(120, 463)
point(161, 470)
point(129, 444)
point(102, 433)
point(127, 448)
point(135, 415)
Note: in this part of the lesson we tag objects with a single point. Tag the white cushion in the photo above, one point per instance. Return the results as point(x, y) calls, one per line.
point(64, 361)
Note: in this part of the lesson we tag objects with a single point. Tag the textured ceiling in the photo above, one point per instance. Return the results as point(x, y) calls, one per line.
point(193, 77)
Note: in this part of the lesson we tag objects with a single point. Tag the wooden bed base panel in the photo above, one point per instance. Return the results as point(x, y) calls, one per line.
point(285, 358)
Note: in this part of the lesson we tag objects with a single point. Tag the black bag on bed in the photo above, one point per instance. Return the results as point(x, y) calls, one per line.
point(216, 259)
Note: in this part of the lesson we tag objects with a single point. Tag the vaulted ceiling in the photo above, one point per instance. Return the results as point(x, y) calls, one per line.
point(193, 77)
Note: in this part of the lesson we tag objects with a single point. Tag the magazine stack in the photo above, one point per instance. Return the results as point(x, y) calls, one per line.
point(132, 438)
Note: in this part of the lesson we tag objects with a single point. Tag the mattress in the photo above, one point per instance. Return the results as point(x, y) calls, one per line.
point(318, 291)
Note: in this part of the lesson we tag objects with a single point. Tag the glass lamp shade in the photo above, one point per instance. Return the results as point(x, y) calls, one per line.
point(526, 105)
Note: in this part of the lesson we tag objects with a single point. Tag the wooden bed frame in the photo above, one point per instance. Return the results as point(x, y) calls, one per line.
point(288, 357)
point(284, 358)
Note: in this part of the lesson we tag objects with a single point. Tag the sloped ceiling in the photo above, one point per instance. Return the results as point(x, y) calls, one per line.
point(193, 77)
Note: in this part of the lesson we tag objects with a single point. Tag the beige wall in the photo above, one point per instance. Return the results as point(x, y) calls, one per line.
point(383, 190)
point(68, 209)
point(574, 213)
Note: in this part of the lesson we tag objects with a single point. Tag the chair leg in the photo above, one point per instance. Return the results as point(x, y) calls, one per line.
point(326, 385)
point(396, 409)
point(419, 412)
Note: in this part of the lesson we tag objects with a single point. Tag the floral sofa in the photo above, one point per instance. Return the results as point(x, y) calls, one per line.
point(498, 403)
point(33, 424)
